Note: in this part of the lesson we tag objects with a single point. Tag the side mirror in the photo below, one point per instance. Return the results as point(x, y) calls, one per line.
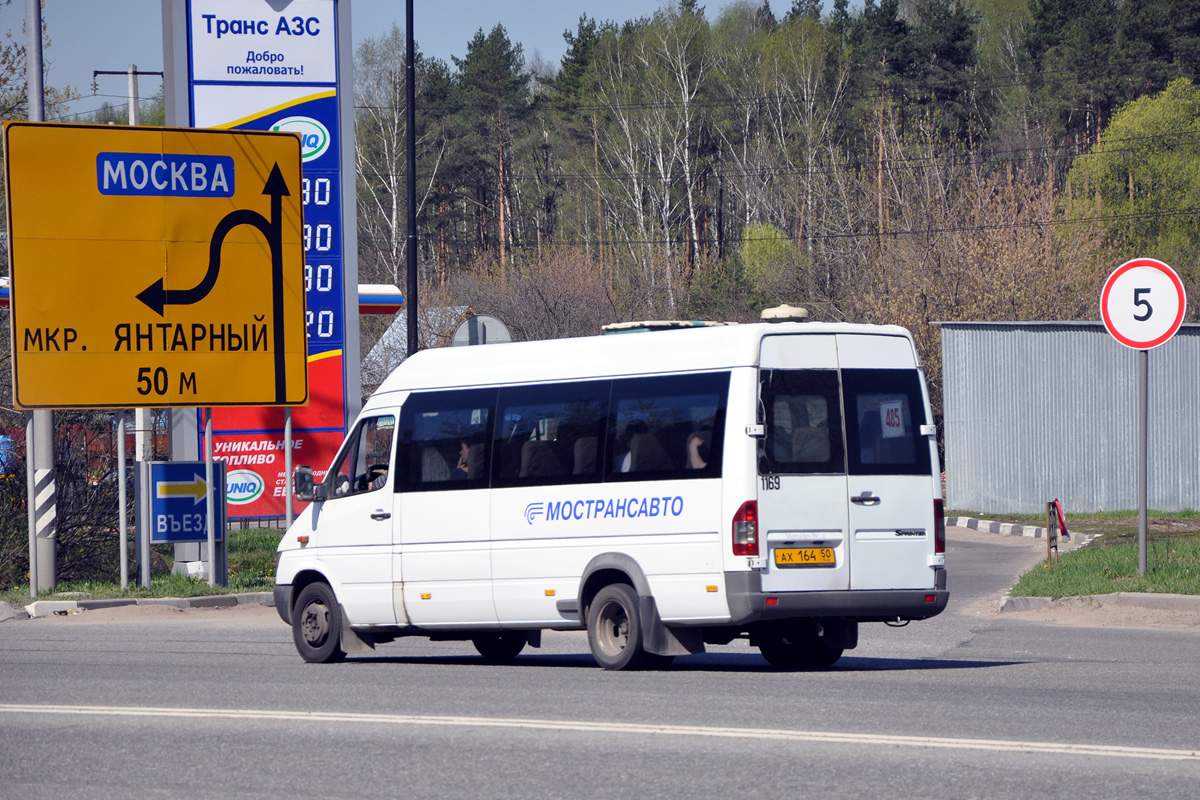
point(303, 488)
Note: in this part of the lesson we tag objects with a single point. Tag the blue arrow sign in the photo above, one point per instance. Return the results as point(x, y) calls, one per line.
point(178, 512)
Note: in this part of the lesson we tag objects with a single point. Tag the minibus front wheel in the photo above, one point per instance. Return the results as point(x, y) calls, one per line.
point(317, 625)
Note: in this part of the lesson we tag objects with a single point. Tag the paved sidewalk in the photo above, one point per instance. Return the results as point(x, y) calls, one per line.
point(46, 608)
point(1187, 603)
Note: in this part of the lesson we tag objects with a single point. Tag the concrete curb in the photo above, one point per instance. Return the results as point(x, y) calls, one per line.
point(8, 612)
point(45, 608)
point(1186, 603)
point(1025, 603)
point(1013, 529)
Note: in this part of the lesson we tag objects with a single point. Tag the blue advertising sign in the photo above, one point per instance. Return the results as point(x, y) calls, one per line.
point(266, 65)
point(254, 68)
point(178, 510)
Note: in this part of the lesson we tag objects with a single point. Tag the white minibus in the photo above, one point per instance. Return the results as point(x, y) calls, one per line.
point(662, 490)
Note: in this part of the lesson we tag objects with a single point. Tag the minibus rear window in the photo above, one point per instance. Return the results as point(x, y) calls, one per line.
point(885, 412)
point(802, 412)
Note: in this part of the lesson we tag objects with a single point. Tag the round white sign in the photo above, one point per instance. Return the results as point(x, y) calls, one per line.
point(1143, 303)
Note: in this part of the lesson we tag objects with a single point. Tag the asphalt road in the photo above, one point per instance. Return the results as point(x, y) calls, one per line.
point(215, 703)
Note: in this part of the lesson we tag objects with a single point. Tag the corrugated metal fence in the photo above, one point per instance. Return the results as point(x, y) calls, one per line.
point(1035, 411)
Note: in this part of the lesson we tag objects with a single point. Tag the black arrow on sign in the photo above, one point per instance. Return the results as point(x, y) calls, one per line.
point(157, 297)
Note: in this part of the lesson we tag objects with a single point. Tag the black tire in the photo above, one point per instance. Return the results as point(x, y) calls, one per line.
point(797, 647)
point(317, 625)
point(501, 645)
point(614, 628)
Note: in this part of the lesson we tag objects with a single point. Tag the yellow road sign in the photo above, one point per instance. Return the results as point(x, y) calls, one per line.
point(155, 267)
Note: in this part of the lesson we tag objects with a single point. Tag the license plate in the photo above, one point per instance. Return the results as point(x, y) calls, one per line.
point(804, 557)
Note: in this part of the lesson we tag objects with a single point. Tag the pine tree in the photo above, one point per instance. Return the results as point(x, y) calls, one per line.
point(492, 101)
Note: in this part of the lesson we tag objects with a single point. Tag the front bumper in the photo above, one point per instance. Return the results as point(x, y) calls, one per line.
point(283, 601)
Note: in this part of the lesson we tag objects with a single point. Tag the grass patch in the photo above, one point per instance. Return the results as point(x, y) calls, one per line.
point(1172, 567)
point(251, 569)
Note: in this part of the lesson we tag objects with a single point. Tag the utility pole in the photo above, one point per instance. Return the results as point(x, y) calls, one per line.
point(132, 72)
point(39, 425)
point(410, 116)
point(134, 116)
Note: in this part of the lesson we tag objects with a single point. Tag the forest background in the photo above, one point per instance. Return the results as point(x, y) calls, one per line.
point(902, 161)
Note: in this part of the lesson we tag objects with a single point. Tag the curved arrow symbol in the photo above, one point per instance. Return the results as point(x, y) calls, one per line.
point(157, 297)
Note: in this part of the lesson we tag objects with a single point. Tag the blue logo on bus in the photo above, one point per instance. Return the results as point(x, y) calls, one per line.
point(604, 508)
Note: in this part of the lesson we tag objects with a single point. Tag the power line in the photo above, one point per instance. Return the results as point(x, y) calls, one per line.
point(888, 234)
point(827, 167)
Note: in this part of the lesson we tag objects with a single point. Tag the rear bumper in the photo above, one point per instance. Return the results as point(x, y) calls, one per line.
point(748, 602)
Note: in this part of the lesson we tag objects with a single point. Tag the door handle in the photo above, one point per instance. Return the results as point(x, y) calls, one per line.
point(866, 499)
point(381, 515)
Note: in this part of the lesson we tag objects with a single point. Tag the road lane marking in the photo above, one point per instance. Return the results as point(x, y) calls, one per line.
point(831, 737)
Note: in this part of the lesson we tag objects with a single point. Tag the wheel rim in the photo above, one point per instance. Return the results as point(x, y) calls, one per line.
point(612, 630)
point(314, 623)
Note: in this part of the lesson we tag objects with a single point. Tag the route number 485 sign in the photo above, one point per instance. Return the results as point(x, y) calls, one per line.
point(1143, 303)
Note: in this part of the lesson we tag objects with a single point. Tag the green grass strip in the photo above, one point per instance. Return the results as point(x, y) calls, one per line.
point(251, 569)
point(1172, 567)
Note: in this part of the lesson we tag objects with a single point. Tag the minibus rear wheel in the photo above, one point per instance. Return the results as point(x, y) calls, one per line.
point(317, 625)
point(796, 647)
point(500, 646)
point(615, 628)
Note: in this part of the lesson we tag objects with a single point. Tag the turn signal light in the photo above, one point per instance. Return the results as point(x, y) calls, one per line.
point(745, 529)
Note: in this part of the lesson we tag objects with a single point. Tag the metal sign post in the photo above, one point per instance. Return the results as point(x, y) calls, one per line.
point(122, 494)
point(1143, 304)
point(1051, 535)
point(210, 527)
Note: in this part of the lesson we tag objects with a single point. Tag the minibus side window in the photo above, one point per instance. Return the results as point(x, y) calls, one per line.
point(363, 466)
point(667, 427)
point(550, 434)
point(802, 412)
point(445, 440)
point(885, 412)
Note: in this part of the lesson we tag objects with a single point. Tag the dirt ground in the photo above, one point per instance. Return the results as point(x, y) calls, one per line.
point(1096, 613)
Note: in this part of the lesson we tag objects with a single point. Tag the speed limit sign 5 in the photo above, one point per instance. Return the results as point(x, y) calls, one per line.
point(1143, 303)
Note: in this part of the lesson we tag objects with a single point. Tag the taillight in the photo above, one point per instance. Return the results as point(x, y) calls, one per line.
point(939, 526)
point(745, 529)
